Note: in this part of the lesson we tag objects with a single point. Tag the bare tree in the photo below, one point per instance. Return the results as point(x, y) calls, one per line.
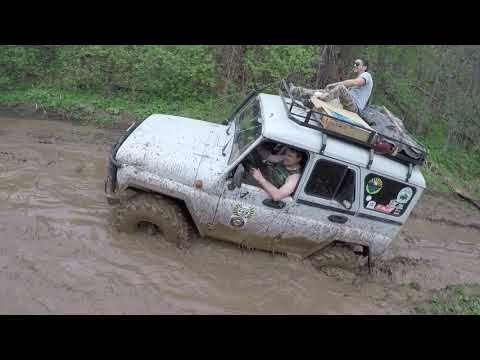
point(230, 59)
point(326, 64)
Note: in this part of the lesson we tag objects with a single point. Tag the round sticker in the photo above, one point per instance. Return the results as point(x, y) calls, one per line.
point(237, 221)
point(405, 195)
point(374, 185)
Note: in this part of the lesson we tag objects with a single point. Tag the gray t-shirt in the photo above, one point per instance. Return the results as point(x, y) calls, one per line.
point(362, 93)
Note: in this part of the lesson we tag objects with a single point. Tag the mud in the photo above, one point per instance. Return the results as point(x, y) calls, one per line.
point(60, 255)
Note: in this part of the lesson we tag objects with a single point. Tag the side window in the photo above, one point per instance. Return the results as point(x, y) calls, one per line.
point(332, 181)
point(267, 157)
point(386, 196)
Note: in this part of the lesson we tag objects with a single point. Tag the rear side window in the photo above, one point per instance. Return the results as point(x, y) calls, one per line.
point(332, 181)
point(386, 196)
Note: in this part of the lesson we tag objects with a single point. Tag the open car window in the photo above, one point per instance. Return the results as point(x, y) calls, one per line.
point(263, 157)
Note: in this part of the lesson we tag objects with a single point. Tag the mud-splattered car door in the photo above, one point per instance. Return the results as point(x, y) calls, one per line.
point(242, 218)
point(325, 207)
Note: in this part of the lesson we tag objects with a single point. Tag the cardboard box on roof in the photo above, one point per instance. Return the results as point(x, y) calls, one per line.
point(340, 113)
point(345, 118)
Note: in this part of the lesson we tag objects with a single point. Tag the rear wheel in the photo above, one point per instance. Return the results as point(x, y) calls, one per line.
point(158, 210)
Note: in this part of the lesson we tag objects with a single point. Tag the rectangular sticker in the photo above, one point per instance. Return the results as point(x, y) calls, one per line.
point(384, 208)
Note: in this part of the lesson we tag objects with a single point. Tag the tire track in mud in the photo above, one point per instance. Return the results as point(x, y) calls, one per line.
point(450, 222)
point(59, 254)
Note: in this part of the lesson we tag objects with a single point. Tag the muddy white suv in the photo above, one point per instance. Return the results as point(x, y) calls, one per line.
point(185, 176)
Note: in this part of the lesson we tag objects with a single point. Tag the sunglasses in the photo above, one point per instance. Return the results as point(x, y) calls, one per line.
point(357, 64)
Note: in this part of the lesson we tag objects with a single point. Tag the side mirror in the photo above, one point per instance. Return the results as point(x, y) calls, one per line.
point(259, 88)
point(274, 204)
point(237, 178)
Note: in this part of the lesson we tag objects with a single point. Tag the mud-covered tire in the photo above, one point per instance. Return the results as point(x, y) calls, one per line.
point(337, 256)
point(165, 213)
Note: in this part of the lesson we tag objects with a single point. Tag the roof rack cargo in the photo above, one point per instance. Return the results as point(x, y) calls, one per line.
point(404, 148)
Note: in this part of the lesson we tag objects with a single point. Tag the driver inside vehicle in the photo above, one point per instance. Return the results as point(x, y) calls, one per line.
point(282, 173)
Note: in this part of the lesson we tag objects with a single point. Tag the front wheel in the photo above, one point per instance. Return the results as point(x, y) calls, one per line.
point(158, 210)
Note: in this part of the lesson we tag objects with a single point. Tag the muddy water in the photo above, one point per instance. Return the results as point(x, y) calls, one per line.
point(60, 255)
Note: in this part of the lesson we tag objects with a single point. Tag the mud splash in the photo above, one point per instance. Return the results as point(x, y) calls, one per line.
point(59, 253)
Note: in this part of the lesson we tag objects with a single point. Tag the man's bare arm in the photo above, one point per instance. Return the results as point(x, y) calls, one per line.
point(360, 81)
point(285, 190)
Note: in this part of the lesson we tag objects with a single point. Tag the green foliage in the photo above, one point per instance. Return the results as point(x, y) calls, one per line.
point(453, 300)
point(87, 106)
point(171, 72)
point(266, 64)
point(19, 62)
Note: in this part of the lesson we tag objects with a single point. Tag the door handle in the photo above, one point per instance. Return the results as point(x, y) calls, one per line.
point(338, 219)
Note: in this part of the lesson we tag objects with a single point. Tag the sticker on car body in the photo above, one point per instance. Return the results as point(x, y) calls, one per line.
point(405, 195)
point(374, 185)
point(371, 205)
point(243, 211)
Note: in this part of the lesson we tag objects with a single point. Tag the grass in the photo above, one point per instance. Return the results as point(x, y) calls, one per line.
point(460, 166)
point(453, 300)
point(102, 108)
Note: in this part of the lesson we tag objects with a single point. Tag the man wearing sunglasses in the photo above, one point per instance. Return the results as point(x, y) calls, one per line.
point(352, 93)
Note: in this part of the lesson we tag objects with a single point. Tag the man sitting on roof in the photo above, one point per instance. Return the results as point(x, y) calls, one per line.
point(283, 175)
point(353, 99)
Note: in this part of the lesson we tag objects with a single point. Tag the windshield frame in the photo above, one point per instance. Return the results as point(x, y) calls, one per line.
point(242, 156)
point(240, 107)
point(237, 130)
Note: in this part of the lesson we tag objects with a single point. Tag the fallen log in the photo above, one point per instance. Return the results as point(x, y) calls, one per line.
point(467, 197)
point(462, 193)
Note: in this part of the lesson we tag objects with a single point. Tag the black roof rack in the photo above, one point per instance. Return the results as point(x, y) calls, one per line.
point(411, 152)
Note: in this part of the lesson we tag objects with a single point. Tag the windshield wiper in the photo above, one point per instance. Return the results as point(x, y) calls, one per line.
point(228, 142)
point(228, 128)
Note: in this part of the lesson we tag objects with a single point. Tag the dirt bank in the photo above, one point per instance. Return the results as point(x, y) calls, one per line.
point(82, 114)
point(59, 253)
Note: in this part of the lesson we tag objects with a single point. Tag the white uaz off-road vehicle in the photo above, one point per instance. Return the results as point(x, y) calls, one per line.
point(354, 193)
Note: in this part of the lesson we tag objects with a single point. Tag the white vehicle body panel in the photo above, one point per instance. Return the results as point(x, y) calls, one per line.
point(166, 154)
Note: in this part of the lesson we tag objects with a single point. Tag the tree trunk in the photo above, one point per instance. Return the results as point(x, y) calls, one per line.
point(325, 65)
point(476, 78)
point(346, 56)
point(230, 59)
point(380, 67)
point(334, 64)
point(428, 103)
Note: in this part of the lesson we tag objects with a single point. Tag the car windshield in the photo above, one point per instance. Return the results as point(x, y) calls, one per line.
point(248, 128)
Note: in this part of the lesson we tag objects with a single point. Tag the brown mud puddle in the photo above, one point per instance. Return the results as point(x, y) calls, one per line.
point(60, 255)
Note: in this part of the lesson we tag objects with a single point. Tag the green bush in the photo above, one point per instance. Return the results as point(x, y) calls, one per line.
point(267, 64)
point(171, 72)
point(20, 62)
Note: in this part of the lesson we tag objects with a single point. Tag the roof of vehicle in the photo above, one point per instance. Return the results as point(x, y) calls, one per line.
point(278, 127)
